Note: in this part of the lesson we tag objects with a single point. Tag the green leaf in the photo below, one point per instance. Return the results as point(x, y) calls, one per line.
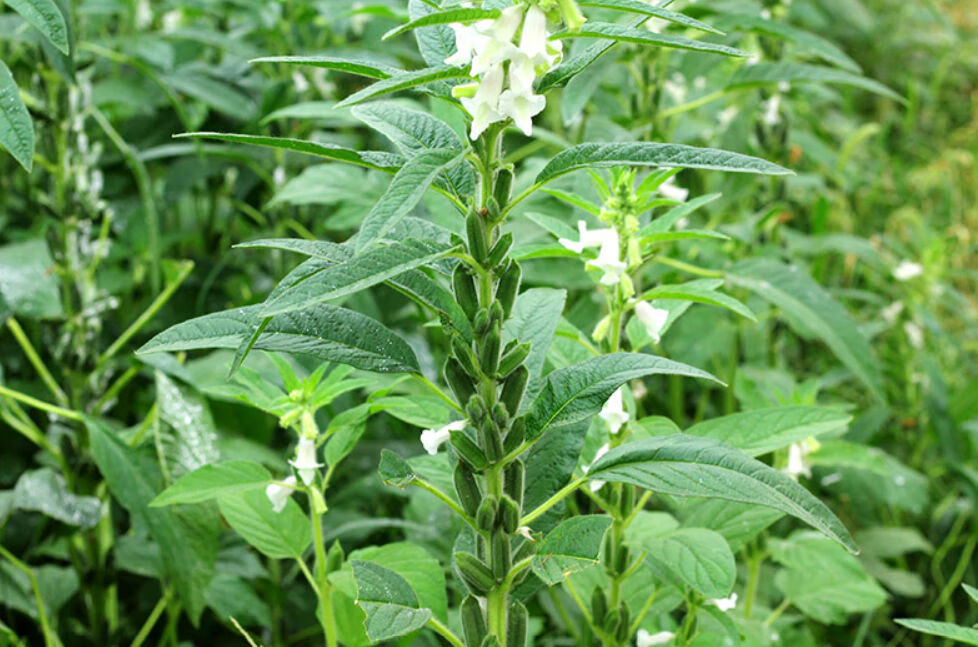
point(765, 430)
point(388, 600)
point(435, 42)
point(444, 18)
point(773, 73)
point(394, 470)
point(625, 34)
point(327, 332)
point(231, 596)
point(46, 17)
point(404, 81)
point(686, 234)
point(422, 572)
point(28, 283)
point(16, 127)
point(699, 294)
point(697, 557)
point(571, 546)
point(667, 221)
point(738, 523)
point(44, 491)
point(360, 67)
point(685, 465)
point(824, 49)
point(212, 481)
point(595, 155)
point(369, 159)
point(576, 393)
point(534, 319)
point(811, 311)
point(957, 633)
point(580, 60)
point(194, 441)
point(373, 266)
point(405, 192)
point(280, 535)
point(634, 6)
point(888, 542)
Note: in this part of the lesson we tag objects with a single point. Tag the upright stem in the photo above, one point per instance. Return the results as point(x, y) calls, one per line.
point(323, 587)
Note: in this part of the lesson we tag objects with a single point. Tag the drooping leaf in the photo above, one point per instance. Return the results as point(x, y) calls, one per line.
point(16, 127)
point(46, 17)
point(783, 72)
point(388, 600)
point(594, 155)
point(416, 565)
point(404, 81)
point(685, 465)
point(579, 391)
point(622, 33)
point(571, 546)
point(214, 480)
point(280, 535)
point(738, 523)
point(45, 491)
point(765, 430)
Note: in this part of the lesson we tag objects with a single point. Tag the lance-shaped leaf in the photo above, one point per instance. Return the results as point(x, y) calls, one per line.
point(684, 465)
point(404, 81)
point(579, 61)
point(696, 557)
point(595, 155)
point(765, 430)
point(573, 545)
point(374, 266)
point(16, 128)
point(279, 535)
point(635, 6)
point(578, 392)
point(327, 332)
point(626, 34)
point(666, 221)
point(811, 311)
point(773, 73)
point(389, 602)
point(360, 67)
point(965, 635)
point(405, 192)
point(46, 17)
point(444, 18)
point(699, 294)
point(214, 480)
point(824, 49)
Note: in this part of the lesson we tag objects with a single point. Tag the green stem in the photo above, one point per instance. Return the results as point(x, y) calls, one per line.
point(323, 589)
point(437, 391)
point(445, 632)
point(36, 361)
point(70, 414)
point(552, 501)
point(154, 615)
point(50, 638)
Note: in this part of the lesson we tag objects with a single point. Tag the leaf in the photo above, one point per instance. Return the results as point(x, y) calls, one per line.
point(46, 17)
point(435, 42)
point(697, 557)
point(765, 430)
point(422, 572)
point(369, 159)
point(373, 266)
point(28, 283)
point(233, 597)
point(596, 155)
point(394, 470)
point(550, 465)
point(185, 411)
point(360, 67)
point(444, 18)
point(667, 221)
point(579, 391)
point(685, 465)
point(634, 6)
point(738, 523)
point(812, 311)
point(957, 633)
point(571, 546)
point(16, 127)
point(580, 60)
point(405, 192)
point(280, 535)
point(773, 73)
point(388, 600)
point(404, 81)
point(327, 332)
point(626, 34)
point(699, 294)
point(534, 319)
point(888, 542)
point(212, 481)
point(44, 491)
point(824, 49)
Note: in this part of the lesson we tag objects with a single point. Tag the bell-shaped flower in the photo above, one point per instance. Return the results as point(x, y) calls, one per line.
point(498, 45)
point(521, 107)
point(432, 439)
point(645, 639)
point(534, 41)
point(609, 260)
point(305, 459)
point(613, 412)
point(797, 458)
point(279, 493)
point(597, 484)
point(772, 108)
point(906, 270)
point(484, 105)
point(468, 42)
point(725, 604)
point(592, 238)
point(526, 533)
point(654, 319)
point(670, 191)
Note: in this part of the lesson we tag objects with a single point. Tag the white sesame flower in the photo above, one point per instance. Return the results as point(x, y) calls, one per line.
point(609, 260)
point(533, 40)
point(468, 41)
point(279, 493)
point(796, 461)
point(771, 115)
point(654, 319)
point(525, 532)
point(498, 47)
point(670, 191)
point(432, 439)
point(644, 639)
point(727, 115)
point(675, 87)
point(597, 485)
point(699, 82)
point(892, 311)
point(521, 107)
point(305, 459)
point(593, 238)
point(725, 604)
point(914, 334)
point(299, 82)
point(484, 106)
point(906, 270)
point(613, 412)
point(766, 14)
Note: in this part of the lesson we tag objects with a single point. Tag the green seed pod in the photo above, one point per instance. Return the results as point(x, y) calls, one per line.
point(509, 514)
point(473, 620)
point(500, 416)
point(468, 451)
point(512, 359)
point(467, 488)
point(496, 314)
point(513, 389)
point(476, 230)
point(490, 641)
point(516, 435)
point(475, 574)
point(463, 353)
point(611, 620)
point(509, 287)
point(514, 478)
point(599, 604)
point(622, 557)
point(624, 624)
point(516, 621)
point(500, 249)
point(485, 518)
point(481, 547)
point(465, 290)
point(489, 353)
point(481, 321)
point(503, 189)
point(500, 556)
point(492, 441)
point(458, 380)
point(335, 557)
point(627, 502)
point(475, 409)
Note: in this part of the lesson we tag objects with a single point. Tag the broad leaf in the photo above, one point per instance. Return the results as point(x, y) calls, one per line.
point(696, 557)
point(765, 430)
point(46, 17)
point(699, 467)
point(534, 320)
point(388, 600)
point(404, 81)
point(28, 283)
point(625, 34)
point(16, 127)
point(571, 546)
point(215, 480)
point(595, 155)
point(738, 523)
point(416, 565)
point(280, 535)
point(44, 491)
point(194, 439)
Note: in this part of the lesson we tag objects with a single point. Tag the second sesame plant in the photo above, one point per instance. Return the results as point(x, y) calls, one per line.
point(547, 500)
